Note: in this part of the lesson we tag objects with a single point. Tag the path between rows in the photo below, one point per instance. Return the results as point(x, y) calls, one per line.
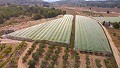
point(20, 64)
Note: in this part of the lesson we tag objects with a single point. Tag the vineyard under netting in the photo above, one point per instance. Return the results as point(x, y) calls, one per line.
point(89, 36)
point(108, 19)
point(58, 30)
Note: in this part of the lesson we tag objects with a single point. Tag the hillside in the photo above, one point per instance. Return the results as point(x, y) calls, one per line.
point(98, 3)
point(26, 2)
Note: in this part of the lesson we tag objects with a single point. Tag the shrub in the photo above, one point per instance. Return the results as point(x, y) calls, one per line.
point(32, 63)
point(87, 61)
point(1, 21)
point(98, 63)
point(54, 58)
point(116, 25)
point(37, 16)
point(43, 64)
point(65, 57)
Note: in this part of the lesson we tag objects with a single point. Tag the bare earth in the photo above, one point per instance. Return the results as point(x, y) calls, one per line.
point(27, 24)
point(78, 10)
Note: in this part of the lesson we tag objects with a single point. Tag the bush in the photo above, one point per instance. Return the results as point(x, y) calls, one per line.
point(30, 50)
point(24, 58)
point(43, 64)
point(77, 65)
point(32, 63)
point(1, 21)
point(65, 57)
point(2, 46)
point(8, 50)
point(35, 56)
point(110, 62)
point(87, 61)
point(51, 47)
point(54, 58)
point(116, 25)
point(57, 52)
point(98, 63)
point(77, 57)
point(37, 16)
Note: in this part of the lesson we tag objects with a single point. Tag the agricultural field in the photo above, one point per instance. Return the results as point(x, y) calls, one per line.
point(90, 50)
point(41, 55)
point(89, 38)
point(108, 19)
point(9, 54)
point(58, 30)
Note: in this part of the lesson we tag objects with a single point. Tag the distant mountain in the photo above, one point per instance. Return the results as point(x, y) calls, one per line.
point(87, 0)
point(81, 1)
point(41, 2)
point(99, 3)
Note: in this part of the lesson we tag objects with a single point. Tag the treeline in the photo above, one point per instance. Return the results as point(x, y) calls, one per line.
point(35, 12)
point(102, 4)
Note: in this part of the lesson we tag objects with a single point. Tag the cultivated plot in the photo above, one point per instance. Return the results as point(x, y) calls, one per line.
point(108, 19)
point(58, 30)
point(89, 36)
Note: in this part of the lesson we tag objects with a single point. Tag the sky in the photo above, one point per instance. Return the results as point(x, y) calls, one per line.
point(51, 0)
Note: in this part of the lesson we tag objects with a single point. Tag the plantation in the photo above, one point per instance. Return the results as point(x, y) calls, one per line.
point(49, 56)
point(9, 54)
point(89, 38)
point(58, 30)
point(108, 19)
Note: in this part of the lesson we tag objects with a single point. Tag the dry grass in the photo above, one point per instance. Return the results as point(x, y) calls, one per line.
point(115, 34)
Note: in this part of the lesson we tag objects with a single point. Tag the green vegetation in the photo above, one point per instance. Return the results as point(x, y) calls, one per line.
point(32, 63)
point(36, 56)
point(58, 30)
point(44, 64)
point(2, 46)
point(108, 19)
point(36, 16)
point(37, 12)
point(12, 53)
point(116, 25)
point(98, 63)
point(91, 13)
point(110, 62)
point(29, 52)
point(65, 57)
point(8, 50)
point(87, 61)
point(89, 38)
point(77, 60)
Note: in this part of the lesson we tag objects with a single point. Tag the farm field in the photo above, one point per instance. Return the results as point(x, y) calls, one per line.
point(9, 54)
point(47, 56)
point(89, 38)
point(58, 30)
point(108, 19)
point(87, 51)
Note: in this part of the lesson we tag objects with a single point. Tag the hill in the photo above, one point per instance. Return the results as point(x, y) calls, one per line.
point(98, 3)
point(26, 2)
